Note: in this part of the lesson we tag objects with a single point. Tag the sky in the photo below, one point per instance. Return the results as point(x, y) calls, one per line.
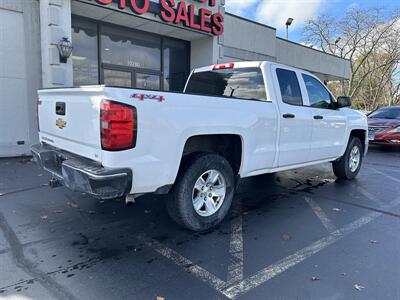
point(275, 12)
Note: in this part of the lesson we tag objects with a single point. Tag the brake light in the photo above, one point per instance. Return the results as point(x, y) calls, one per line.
point(118, 124)
point(223, 66)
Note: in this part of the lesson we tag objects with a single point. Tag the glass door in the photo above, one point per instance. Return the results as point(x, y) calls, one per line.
point(147, 81)
point(130, 77)
point(117, 78)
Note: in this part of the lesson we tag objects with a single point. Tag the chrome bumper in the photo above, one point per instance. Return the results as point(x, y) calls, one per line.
point(83, 175)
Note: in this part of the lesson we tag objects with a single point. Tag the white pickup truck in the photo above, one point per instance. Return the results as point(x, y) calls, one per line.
point(232, 121)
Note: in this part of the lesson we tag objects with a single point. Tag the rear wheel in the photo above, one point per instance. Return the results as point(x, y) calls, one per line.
point(203, 192)
point(349, 165)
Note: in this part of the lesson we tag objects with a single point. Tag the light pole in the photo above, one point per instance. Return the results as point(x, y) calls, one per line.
point(336, 43)
point(288, 23)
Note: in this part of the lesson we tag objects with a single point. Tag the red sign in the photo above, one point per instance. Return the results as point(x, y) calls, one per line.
point(177, 12)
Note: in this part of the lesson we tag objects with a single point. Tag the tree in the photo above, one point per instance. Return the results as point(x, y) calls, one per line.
point(370, 40)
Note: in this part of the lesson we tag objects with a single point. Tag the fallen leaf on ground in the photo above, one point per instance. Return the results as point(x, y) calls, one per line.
point(40, 175)
point(286, 237)
point(26, 160)
point(373, 242)
point(160, 298)
point(315, 278)
point(44, 217)
point(336, 209)
point(359, 287)
point(73, 205)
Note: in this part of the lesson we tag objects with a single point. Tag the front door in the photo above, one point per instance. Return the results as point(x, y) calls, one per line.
point(296, 121)
point(329, 124)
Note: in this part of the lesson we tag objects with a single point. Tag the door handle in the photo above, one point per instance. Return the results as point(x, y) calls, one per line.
point(289, 116)
point(318, 117)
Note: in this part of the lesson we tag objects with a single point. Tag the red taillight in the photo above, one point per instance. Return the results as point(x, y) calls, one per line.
point(118, 125)
point(223, 66)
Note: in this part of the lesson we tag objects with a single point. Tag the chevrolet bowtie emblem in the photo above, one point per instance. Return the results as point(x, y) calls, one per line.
point(60, 123)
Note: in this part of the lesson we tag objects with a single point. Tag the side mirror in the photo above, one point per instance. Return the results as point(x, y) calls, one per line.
point(343, 101)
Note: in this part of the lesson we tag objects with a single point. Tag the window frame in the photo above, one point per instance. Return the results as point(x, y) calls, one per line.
point(261, 72)
point(99, 24)
point(332, 98)
point(299, 82)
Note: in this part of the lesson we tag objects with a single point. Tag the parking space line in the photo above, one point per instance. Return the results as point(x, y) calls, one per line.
point(235, 269)
point(261, 277)
point(368, 195)
point(30, 268)
point(181, 261)
point(318, 211)
point(385, 175)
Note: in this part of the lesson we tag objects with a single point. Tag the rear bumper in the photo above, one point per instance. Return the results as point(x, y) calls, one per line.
point(81, 174)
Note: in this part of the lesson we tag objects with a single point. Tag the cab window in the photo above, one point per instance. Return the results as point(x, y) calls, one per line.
point(317, 93)
point(240, 83)
point(289, 86)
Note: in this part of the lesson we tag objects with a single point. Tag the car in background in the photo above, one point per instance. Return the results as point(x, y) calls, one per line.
point(384, 126)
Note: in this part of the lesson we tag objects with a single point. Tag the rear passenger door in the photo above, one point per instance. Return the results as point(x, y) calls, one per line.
point(329, 123)
point(295, 119)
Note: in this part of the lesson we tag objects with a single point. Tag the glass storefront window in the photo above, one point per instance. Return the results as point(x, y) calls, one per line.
point(176, 64)
point(128, 57)
point(85, 59)
point(130, 48)
point(146, 81)
point(117, 78)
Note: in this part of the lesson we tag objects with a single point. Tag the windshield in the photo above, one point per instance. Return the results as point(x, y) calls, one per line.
point(242, 83)
point(386, 113)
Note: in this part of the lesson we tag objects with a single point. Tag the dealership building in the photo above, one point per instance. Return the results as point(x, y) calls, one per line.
point(150, 44)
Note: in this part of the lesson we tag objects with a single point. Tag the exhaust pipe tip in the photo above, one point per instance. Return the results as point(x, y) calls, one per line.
point(55, 182)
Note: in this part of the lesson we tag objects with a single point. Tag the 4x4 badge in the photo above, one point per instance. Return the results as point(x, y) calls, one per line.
point(60, 123)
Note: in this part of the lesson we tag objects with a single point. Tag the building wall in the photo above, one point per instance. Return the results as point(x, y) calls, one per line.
point(327, 67)
point(246, 40)
point(20, 75)
point(55, 17)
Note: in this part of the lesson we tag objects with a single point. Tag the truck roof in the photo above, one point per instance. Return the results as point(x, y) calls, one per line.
point(243, 64)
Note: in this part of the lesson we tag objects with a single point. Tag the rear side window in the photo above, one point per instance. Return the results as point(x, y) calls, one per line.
point(317, 93)
point(290, 88)
point(242, 83)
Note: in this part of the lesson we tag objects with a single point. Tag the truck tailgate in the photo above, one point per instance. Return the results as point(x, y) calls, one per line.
point(70, 119)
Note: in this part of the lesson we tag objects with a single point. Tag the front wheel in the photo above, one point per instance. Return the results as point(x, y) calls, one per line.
point(203, 193)
point(349, 165)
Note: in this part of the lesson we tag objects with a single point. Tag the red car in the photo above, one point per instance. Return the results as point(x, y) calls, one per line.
point(384, 126)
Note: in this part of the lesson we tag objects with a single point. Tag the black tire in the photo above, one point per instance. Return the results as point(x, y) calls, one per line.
point(341, 167)
point(179, 204)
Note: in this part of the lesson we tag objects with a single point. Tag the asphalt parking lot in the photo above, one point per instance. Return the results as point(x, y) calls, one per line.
point(294, 235)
